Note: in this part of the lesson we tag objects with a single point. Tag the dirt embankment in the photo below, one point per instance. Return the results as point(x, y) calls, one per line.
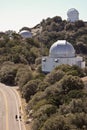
point(84, 79)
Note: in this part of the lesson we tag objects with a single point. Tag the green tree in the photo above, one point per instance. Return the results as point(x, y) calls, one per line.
point(55, 123)
point(69, 83)
point(7, 73)
point(30, 89)
point(80, 120)
point(54, 76)
point(23, 75)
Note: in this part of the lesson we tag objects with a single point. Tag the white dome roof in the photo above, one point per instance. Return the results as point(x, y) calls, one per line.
point(73, 15)
point(25, 34)
point(72, 11)
point(62, 48)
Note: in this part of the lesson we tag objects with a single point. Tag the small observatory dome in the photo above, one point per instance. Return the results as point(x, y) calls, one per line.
point(73, 15)
point(25, 34)
point(62, 49)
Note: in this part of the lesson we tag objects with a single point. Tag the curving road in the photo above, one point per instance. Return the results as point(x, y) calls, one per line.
point(10, 105)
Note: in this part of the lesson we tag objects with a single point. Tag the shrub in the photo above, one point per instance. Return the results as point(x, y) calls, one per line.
point(42, 114)
point(47, 109)
point(78, 106)
point(29, 89)
point(80, 120)
point(70, 27)
point(8, 73)
point(69, 83)
point(38, 61)
point(54, 96)
point(42, 86)
point(57, 19)
point(71, 70)
point(39, 104)
point(64, 109)
point(79, 24)
point(54, 76)
point(63, 67)
point(54, 26)
point(76, 94)
point(23, 75)
point(55, 123)
point(37, 123)
point(32, 42)
point(74, 107)
point(82, 48)
point(38, 75)
point(36, 98)
point(39, 68)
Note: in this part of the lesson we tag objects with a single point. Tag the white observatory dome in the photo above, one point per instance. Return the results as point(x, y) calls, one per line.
point(25, 34)
point(71, 11)
point(73, 15)
point(61, 49)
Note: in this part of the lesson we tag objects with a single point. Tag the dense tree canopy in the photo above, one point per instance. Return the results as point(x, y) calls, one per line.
point(57, 99)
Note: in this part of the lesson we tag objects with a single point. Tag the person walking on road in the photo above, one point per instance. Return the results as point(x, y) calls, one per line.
point(16, 117)
point(20, 117)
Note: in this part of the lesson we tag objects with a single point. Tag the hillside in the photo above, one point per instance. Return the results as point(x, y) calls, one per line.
point(53, 29)
point(56, 100)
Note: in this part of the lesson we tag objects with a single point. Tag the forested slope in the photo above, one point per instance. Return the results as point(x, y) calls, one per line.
point(56, 100)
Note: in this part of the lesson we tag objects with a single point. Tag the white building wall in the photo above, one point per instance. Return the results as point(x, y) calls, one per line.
point(83, 64)
point(49, 63)
point(73, 18)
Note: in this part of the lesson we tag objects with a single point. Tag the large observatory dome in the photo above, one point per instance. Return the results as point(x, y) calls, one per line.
point(71, 11)
point(73, 15)
point(61, 49)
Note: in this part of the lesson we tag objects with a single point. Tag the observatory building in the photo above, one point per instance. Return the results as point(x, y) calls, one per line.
point(25, 34)
point(73, 15)
point(61, 52)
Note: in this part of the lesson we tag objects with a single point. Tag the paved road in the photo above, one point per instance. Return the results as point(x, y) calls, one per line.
point(10, 105)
